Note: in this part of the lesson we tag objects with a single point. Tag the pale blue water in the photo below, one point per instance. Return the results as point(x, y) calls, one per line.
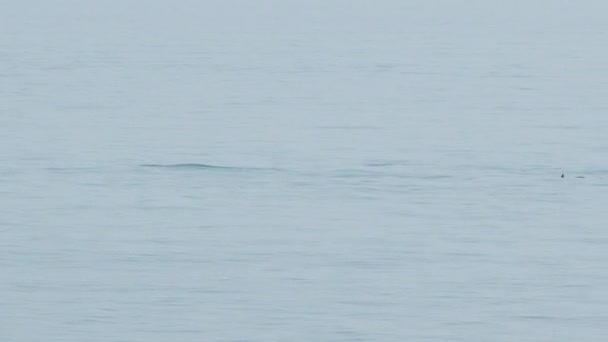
point(327, 171)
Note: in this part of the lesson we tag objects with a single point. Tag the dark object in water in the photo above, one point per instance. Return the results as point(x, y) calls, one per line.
point(575, 177)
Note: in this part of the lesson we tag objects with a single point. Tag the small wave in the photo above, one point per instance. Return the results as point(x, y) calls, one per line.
point(198, 166)
point(62, 169)
point(350, 127)
point(189, 166)
point(388, 163)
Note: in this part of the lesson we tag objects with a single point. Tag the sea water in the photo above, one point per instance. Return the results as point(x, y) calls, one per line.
point(303, 171)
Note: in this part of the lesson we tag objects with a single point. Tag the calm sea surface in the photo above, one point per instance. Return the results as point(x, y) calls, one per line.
point(329, 171)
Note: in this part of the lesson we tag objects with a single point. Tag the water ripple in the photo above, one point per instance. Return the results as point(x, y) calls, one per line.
point(199, 166)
